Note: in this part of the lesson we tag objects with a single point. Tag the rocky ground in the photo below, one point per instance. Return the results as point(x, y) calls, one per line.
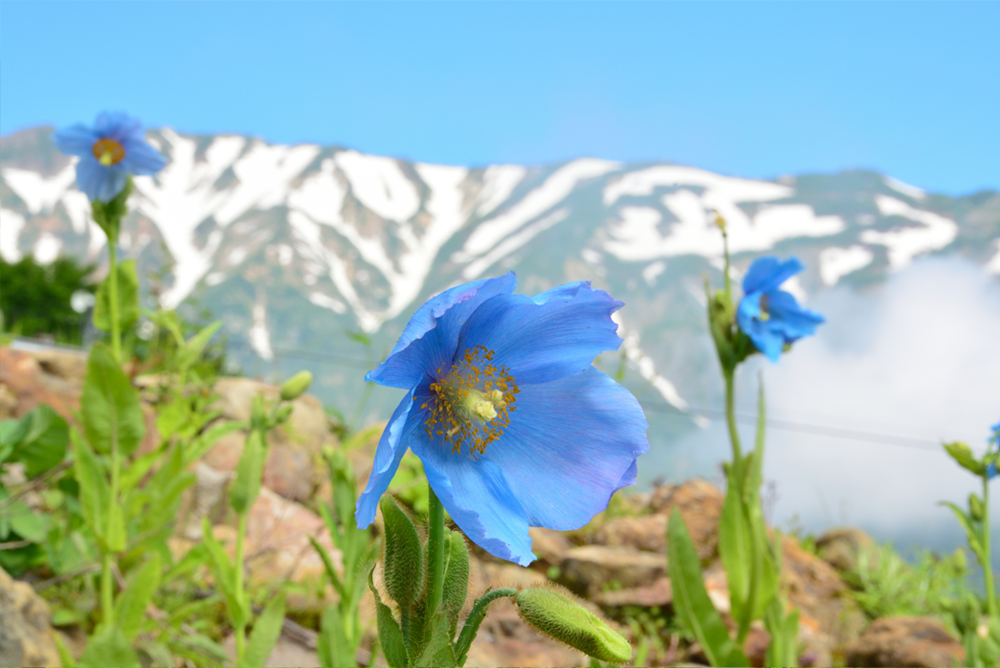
point(617, 563)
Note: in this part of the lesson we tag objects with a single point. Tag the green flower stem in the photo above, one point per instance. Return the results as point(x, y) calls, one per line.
point(116, 334)
point(734, 434)
point(241, 627)
point(107, 596)
point(755, 566)
point(435, 554)
point(991, 594)
point(475, 618)
point(725, 270)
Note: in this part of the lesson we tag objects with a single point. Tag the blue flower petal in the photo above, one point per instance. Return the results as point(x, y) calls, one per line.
point(991, 471)
point(430, 338)
point(112, 182)
point(391, 448)
point(789, 318)
point(763, 333)
point(476, 495)
point(570, 445)
point(557, 333)
point(768, 272)
point(75, 140)
point(117, 125)
point(142, 159)
point(97, 181)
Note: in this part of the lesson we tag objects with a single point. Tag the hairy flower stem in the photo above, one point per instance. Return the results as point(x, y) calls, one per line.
point(241, 627)
point(116, 334)
point(991, 594)
point(734, 434)
point(435, 554)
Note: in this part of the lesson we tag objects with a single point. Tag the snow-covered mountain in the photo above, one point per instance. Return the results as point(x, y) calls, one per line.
point(293, 245)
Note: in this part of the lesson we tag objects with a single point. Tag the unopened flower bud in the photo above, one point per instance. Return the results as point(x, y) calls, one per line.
point(296, 385)
point(403, 563)
point(283, 414)
point(976, 507)
point(720, 222)
point(558, 616)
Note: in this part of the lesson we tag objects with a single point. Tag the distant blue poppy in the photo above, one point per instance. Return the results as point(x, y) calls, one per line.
point(991, 471)
point(769, 316)
point(111, 150)
point(514, 426)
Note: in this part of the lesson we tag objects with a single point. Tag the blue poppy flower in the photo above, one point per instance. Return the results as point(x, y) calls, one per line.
point(991, 471)
point(769, 316)
point(111, 150)
point(514, 426)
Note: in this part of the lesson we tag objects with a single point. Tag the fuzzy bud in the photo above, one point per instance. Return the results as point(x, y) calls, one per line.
point(296, 385)
point(283, 414)
point(403, 564)
point(560, 617)
point(976, 508)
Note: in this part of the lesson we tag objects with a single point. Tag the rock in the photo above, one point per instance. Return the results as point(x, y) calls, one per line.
point(70, 365)
point(30, 384)
point(840, 547)
point(549, 546)
point(8, 403)
point(658, 593)
point(648, 533)
point(905, 641)
point(206, 498)
point(700, 505)
point(488, 651)
point(26, 636)
point(587, 570)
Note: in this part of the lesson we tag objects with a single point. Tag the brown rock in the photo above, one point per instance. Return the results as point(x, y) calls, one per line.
point(658, 593)
point(647, 533)
point(840, 547)
point(8, 403)
point(587, 570)
point(26, 637)
point(69, 365)
point(700, 504)
point(549, 546)
point(32, 385)
point(905, 641)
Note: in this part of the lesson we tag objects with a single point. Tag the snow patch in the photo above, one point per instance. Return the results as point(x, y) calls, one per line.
point(335, 305)
point(994, 265)
point(637, 236)
point(643, 182)
point(905, 244)
point(647, 368)
point(236, 255)
point(47, 248)
point(512, 243)
point(380, 185)
point(793, 286)
point(499, 182)
point(835, 263)
point(215, 278)
point(264, 173)
point(590, 256)
point(11, 224)
point(651, 271)
point(260, 338)
point(905, 188)
point(321, 195)
point(39, 193)
point(555, 189)
point(77, 207)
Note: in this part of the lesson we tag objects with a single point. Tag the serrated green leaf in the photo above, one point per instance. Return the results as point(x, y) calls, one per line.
point(109, 648)
point(130, 608)
point(692, 605)
point(95, 495)
point(43, 442)
point(265, 632)
point(249, 472)
point(110, 405)
point(128, 298)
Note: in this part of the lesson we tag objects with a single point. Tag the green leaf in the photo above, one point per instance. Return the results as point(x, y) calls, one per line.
point(692, 605)
point(109, 648)
point(137, 469)
point(456, 577)
point(389, 635)
point(197, 647)
point(128, 298)
point(735, 543)
point(784, 631)
point(26, 522)
point(159, 654)
point(204, 442)
point(971, 532)
point(110, 405)
point(65, 656)
point(130, 608)
point(332, 646)
point(11, 433)
point(43, 442)
point(192, 349)
point(331, 570)
point(249, 472)
point(265, 632)
point(95, 496)
point(439, 651)
point(962, 455)
point(225, 576)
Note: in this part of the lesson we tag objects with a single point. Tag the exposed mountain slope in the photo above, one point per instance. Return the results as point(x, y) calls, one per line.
point(293, 245)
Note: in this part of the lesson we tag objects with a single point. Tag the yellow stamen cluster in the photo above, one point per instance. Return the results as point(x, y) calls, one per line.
point(472, 403)
point(108, 151)
point(765, 303)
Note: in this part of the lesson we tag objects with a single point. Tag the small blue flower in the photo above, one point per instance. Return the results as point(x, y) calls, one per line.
point(514, 426)
point(991, 471)
point(769, 316)
point(995, 438)
point(111, 150)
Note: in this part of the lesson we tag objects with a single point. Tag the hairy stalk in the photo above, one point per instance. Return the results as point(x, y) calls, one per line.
point(435, 553)
point(991, 594)
point(734, 435)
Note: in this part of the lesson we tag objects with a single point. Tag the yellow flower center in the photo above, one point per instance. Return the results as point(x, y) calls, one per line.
point(765, 303)
point(108, 151)
point(472, 403)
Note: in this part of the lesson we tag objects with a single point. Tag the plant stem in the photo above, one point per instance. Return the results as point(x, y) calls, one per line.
point(241, 626)
point(116, 334)
point(991, 594)
point(734, 434)
point(107, 596)
point(435, 554)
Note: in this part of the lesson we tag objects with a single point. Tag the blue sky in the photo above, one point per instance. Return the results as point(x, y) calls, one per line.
point(755, 90)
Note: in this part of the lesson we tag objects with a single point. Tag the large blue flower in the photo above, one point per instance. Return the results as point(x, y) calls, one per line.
point(514, 426)
point(111, 150)
point(769, 316)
